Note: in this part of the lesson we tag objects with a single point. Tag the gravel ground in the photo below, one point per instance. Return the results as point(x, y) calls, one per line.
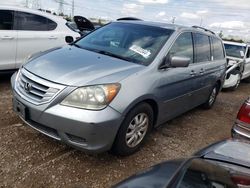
point(30, 159)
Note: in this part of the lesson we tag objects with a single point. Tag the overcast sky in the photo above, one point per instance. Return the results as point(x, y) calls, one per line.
point(231, 16)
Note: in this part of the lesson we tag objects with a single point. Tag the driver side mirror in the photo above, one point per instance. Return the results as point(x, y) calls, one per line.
point(176, 61)
point(69, 39)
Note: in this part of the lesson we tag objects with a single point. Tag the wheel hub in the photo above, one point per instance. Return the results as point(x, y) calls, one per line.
point(137, 130)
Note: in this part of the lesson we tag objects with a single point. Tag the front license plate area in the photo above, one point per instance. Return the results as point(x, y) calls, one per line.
point(20, 109)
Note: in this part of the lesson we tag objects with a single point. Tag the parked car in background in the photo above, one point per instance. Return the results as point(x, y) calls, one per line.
point(81, 25)
point(24, 32)
point(238, 56)
point(109, 89)
point(241, 128)
point(225, 164)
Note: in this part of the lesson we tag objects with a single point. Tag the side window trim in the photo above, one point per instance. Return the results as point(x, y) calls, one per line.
point(211, 50)
point(194, 50)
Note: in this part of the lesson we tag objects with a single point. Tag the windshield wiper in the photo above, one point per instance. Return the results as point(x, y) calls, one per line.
point(78, 46)
point(112, 55)
point(107, 53)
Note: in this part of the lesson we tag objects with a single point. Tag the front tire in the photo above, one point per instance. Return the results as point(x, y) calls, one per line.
point(212, 97)
point(238, 74)
point(134, 130)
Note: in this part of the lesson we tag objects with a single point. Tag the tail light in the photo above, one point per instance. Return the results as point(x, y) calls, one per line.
point(241, 181)
point(244, 113)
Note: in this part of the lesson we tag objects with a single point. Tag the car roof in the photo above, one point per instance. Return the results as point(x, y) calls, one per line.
point(235, 43)
point(33, 11)
point(167, 26)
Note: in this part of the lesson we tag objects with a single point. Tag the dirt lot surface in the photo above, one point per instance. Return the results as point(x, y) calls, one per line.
point(30, 159)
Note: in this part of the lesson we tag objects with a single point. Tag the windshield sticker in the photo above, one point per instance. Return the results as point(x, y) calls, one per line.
point(144, 53)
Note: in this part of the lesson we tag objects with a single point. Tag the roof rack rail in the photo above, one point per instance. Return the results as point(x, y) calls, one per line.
point(198, 27)
point(129, 18)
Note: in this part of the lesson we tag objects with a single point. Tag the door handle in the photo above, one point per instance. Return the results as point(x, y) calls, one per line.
point(7, 38)
point(52, 37)
point(192, 73)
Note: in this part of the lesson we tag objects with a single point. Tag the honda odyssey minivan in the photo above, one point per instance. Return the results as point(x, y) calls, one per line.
point(108, 90)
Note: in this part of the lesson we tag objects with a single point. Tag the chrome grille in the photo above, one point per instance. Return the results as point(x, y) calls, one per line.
point(35, 89)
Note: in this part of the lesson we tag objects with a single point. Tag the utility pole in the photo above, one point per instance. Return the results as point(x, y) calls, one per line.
point(173, 19)
point(201, 21)
point(60, 9)
point(73, 8)
point(36, 4)
point(27, 3)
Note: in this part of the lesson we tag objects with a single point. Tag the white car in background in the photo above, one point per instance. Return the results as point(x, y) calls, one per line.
point(238, 56)
point(24, 32)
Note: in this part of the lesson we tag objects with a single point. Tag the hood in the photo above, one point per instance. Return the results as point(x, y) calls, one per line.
point(74, 66)
point(83, 23)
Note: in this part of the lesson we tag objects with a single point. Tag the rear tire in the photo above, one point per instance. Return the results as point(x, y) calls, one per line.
point(134, 130)
point(212, 97)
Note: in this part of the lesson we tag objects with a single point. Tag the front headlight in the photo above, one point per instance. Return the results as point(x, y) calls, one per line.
point(94, 97)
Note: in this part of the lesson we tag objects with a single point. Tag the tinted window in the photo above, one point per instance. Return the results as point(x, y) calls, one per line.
point(218, 52)
point(202, 47)
point(194, 179)
point(201, 173)
point(131, 42)
point(6, 20)
point(32, 22)
point(182, 47)
point(51, 25)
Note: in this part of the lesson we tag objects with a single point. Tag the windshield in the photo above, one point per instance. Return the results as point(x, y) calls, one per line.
point(234, 50)
point(132, 42)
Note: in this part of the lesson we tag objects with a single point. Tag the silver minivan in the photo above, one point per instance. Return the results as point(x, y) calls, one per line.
point(107, 90)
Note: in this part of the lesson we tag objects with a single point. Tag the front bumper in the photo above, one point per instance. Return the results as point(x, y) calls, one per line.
point(87, 130)
point(240, 132)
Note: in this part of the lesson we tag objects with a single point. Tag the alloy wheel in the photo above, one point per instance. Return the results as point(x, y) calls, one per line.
point(137, 130)
point(212, 96)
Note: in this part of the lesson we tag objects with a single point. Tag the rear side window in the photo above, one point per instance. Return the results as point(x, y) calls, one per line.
point(202, 48)
point(182, 47)
point(217, 47)
point(6, 20)
point(31, 22)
